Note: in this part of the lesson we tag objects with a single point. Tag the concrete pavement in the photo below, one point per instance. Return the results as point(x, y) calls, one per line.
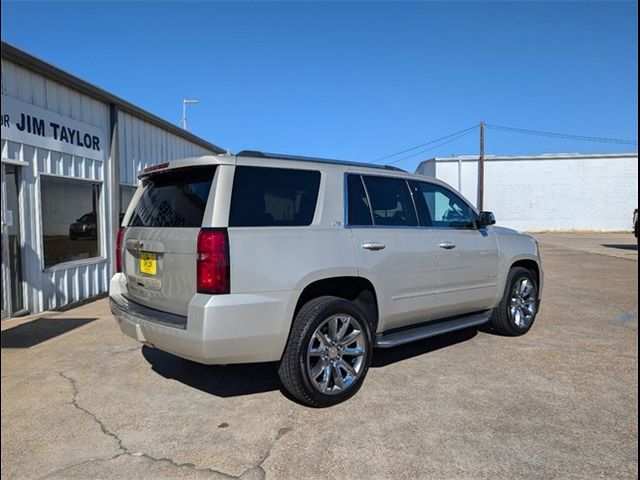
point(560, 402)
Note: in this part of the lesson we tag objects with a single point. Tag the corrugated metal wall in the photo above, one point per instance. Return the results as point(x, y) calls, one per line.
point(139, 144)
point(63, 284)
point(142, 144)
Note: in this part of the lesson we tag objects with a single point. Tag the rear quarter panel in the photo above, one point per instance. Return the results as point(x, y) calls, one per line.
point(268, 259)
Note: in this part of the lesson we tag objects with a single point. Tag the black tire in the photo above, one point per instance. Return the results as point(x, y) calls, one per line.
point(293, 371)
point(501, 319)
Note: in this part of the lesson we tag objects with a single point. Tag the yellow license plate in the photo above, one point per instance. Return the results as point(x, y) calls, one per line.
point(148, 263)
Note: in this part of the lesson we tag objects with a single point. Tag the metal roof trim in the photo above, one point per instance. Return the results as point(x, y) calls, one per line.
point(37, 65)
point(300, 158)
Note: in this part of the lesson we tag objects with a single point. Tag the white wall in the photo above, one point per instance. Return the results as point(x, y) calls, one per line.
point(553, 193)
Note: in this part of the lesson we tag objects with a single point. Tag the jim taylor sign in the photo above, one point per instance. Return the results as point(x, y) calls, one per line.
point(24, 123)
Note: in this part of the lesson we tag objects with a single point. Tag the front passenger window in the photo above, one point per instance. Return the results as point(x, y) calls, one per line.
point(446, 209)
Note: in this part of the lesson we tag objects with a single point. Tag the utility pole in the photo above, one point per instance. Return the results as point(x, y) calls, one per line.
point(481, 170)
point(183, 121)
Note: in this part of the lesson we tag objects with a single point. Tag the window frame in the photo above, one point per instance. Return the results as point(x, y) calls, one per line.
point(418, 204)
point(366, 191)
point(100, 210)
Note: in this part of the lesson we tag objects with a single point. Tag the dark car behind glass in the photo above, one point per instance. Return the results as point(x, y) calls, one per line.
point(84, 227)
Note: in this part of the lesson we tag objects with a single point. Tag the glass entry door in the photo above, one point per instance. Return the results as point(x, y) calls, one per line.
point(12, 276)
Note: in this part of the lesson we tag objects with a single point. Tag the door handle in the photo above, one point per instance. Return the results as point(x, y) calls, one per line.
point(373, 246)
point(447, 245)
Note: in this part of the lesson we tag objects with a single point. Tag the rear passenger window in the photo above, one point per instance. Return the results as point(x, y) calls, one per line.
point(359, 212)
point(391, 202)
point(265, 197)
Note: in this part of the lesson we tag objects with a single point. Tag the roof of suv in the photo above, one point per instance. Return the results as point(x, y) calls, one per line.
point(283, 156)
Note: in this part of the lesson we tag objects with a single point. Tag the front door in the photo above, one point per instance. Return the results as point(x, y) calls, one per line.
point(467, 272)
point(12, 276)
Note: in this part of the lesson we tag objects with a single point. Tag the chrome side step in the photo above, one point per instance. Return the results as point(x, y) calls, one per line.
point(430, 329)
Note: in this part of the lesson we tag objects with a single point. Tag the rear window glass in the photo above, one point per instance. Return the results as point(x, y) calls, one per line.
point(264, 197)
point(174, 199)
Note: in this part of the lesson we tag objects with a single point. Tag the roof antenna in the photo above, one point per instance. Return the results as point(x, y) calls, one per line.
point(183, 121)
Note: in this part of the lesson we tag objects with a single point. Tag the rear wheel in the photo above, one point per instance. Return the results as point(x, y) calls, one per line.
point(328, 352)
point(519, 305)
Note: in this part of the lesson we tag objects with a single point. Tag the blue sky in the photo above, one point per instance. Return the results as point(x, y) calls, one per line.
point(355, 80)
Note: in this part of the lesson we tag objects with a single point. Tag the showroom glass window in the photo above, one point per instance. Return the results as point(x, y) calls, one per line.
point(70, 220)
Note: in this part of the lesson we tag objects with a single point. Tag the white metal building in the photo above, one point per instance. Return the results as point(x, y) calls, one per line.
point(554, 192)
point(70, 154)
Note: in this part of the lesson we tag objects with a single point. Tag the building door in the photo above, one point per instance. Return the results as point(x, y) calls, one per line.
point(12, 274)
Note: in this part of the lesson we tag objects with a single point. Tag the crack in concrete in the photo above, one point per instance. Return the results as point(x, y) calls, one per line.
point(103, 428)
point(285, 426)
point(121, 447)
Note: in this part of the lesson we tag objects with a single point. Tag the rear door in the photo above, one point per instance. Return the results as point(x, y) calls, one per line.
point(467, 257)
point(160, 240)
point(392, 249)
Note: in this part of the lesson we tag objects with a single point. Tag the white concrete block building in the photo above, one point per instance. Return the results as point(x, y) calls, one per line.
point(555, 192)
point(70, 155)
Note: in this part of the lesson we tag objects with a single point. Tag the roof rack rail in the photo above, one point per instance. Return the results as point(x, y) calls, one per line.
point(300, 158)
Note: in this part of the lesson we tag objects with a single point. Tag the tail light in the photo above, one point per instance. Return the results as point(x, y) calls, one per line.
point(213, 261)
point(119, 238)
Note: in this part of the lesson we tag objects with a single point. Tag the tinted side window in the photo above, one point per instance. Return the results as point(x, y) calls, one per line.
point(390, 201)
point(358, 204)
point(447, 209)
point(264, 197)
point(174, 199)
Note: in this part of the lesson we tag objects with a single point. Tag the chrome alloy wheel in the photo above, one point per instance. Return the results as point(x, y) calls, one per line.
point(522, 307)
point(336, 354)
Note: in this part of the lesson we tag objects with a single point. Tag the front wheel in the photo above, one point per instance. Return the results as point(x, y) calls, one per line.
point(328, 353)
point(517, 310)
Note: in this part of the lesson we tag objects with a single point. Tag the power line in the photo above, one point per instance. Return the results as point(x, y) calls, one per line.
point(565, 136)
point(467, 132)
point(424, 144)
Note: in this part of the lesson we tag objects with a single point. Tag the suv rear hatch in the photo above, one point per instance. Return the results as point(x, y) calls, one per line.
point(160, 241)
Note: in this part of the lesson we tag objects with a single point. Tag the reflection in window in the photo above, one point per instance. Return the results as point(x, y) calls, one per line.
point(446, 208)
point(70, 220)
point(174, 199)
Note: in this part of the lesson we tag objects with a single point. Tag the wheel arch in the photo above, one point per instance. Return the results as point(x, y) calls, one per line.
point(356, 289)
point(530, 265)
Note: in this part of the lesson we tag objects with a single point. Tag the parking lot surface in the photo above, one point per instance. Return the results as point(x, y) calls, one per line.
point(81, 400)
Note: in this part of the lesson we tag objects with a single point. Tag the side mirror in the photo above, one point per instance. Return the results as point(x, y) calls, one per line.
point(486, 219)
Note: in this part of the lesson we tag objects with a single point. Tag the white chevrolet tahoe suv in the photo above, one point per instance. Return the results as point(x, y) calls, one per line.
point(311, 263)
